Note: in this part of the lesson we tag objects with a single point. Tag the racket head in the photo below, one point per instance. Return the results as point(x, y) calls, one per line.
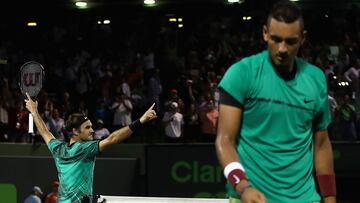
point(31, 78)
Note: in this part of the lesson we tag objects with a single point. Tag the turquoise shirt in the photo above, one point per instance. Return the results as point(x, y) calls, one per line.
point(75, 165)
point(275, 141)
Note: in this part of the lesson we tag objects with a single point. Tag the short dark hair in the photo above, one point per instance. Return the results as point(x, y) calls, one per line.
point(74, 121)
point(287, 12)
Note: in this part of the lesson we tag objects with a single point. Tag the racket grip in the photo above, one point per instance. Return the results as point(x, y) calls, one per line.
point(31, 123)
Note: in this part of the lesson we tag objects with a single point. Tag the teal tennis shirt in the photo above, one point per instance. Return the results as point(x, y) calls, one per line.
point(75, 165)
point(275, 141)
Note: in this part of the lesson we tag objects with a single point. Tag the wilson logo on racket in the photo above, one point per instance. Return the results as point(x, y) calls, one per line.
point(31, 79)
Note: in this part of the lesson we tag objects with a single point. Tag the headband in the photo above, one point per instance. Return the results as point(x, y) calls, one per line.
point(80, 121)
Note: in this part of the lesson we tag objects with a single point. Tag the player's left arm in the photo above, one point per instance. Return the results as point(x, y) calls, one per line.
point(324, 166)
point(125, 132)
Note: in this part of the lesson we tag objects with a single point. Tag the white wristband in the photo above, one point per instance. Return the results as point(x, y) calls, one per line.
point(232, 166)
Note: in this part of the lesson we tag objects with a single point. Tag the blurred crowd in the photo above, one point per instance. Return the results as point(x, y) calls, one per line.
point(113, 73)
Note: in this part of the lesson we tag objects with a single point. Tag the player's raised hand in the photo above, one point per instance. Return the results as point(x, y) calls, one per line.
point(31, 105)
point(149, 115)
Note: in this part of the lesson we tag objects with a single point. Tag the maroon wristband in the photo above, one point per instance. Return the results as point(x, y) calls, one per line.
point(235, 176)
point(327, 184)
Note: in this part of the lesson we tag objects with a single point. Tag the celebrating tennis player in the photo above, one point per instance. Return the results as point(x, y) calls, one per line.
point(75, 160)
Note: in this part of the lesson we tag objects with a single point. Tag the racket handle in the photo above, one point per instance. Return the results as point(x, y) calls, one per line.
point(31, 123)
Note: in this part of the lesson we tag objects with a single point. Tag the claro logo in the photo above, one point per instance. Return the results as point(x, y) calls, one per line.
point(194, 172)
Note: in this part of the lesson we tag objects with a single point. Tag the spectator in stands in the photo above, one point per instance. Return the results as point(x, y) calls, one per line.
point(174, 97)
point(192, 118)
point(56, 124)
point(84, 81)
point(100, 131)
point(65, 104)
point(154, 88)
point(352, 76)
point(18, 118)
point(124, 86)
point(82, 108)
point(204, 101)
point(102, 112)
point(35, 195)
point(52, 196)
point(4, 121)
point(333, 109)
point(173, 122)
point(192, 125)
point(122, 108)
point(347, 119)
point(209, 119)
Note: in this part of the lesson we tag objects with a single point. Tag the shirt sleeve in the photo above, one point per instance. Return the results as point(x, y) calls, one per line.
point(54, 146)
point(236, 81)
point(227, 99)
point(91, 148)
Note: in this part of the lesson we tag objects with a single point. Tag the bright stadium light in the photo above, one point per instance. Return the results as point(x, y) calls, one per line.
point(106, 22)
point(81, 4)
point(180, 25)
point(247, 18)
point(149, 2)
point(235, 1)
point(31, 24)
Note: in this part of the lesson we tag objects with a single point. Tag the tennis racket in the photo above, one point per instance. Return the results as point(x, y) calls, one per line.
point(31, 77)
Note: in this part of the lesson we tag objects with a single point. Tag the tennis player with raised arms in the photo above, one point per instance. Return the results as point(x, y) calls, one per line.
point(75, 161)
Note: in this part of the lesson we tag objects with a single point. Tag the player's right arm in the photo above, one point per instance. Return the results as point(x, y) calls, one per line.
point(40, 124)
point(227, 131)
point(228, 128)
